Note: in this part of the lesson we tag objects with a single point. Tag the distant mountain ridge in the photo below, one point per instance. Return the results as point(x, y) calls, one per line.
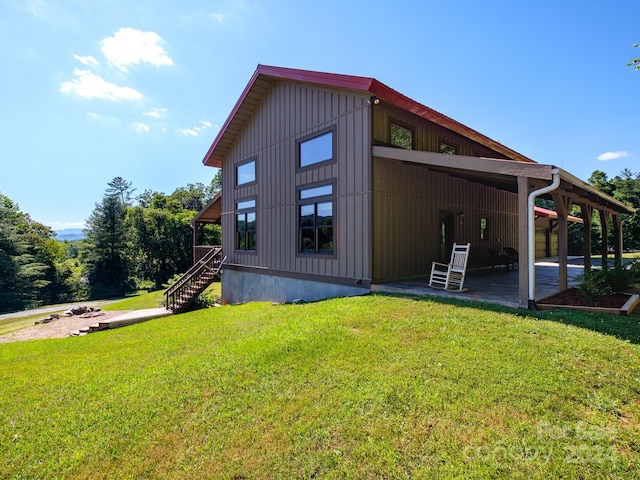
point(69, 234)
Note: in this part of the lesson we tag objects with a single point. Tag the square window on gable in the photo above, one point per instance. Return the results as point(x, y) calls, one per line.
point(447, 148)
point(316, 149)
point(401, 136)
point(246, 172)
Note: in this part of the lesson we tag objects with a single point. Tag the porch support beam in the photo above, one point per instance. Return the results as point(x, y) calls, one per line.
point(195, 227)
point(523, 242)
point(604, 222)
point(587, 214)
point(477, 164)
point(617, 239)
point(562, 205)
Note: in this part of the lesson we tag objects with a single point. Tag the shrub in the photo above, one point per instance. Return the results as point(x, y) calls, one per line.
point(594, 285)
point(618, 279)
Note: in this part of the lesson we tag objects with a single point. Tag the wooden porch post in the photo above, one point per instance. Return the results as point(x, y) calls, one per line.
point(604, 222)
point(562, 204)
point(523, 242)
point(617, 239)
point(547, 239)
point(196, 227)
point(587, 213)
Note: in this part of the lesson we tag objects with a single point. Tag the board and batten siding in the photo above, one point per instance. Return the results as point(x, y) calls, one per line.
point(288, 112)
point(407, 202)
point(426, 135)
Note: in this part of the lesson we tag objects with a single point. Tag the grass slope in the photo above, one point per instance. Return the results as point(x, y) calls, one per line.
point(368, 387)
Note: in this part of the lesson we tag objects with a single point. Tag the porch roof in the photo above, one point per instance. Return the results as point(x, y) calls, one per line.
point(503, 174)
point(211, 212)
point(266, 75)
point(546, 213)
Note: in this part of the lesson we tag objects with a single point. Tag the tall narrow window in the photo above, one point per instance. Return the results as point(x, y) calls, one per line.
point(246, 225)
point(316, 149)
point(401, 136)
point(246, 173)
point(316, 219)
point(483, 228)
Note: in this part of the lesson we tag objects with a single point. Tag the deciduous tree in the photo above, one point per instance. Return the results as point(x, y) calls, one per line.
point(635, 63)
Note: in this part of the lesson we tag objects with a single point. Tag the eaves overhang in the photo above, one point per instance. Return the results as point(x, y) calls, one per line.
point(211, 212)
point(265, 75)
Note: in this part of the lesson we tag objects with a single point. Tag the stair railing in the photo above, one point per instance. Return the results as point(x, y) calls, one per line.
point(192, 281)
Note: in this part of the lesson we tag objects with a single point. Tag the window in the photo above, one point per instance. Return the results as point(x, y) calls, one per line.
point(401, 136)
point(447, 148)
point(483, 228)
point(246, 225)
point(315, 150)
point(316, 219)
point(246, 173)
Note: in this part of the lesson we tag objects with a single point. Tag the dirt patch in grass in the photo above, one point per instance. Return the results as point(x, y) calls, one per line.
point(59, 328)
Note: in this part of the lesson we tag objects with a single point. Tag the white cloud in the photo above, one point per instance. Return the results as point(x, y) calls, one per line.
point(37, 8)
point(88, 60)
point(613, 155)
point(94, 115)
point(193, 132)
point(141, 127)
point(129, 46)
point(156, 113)
point(217, 16)
point(89, 85)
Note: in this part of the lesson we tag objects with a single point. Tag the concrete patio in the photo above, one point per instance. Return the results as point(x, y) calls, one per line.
point(495, 286)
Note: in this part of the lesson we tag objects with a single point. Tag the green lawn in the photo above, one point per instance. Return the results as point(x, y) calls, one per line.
point(369, 387)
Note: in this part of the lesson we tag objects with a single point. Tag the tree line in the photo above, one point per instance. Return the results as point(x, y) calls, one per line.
point(131, 242)
point(134, 242)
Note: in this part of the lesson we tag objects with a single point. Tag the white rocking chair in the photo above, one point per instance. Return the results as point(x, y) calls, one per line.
point(450, 276)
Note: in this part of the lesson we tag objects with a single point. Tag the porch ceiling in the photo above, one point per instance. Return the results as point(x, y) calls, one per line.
point(211, 212)
point(503, 174)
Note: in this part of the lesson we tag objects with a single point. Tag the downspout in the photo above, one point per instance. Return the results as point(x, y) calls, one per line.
point(531, 230)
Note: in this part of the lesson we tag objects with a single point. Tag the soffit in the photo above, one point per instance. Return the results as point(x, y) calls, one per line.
point(503, 174)
point(211, 212)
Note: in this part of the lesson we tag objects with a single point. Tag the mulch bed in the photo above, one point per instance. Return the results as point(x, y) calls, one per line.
point(575, 298)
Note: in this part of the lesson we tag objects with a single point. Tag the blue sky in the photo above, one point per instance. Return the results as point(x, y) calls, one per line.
point(138, 89)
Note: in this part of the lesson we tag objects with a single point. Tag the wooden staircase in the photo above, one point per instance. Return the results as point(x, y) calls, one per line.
point(184, 292)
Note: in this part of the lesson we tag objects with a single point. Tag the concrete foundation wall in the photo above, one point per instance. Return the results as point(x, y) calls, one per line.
point(241, 287)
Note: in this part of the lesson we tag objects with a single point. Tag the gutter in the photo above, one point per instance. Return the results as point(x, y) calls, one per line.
point(531, 231)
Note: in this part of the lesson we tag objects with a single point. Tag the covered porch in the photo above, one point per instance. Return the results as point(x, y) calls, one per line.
point(211, 213)
point(473, 189)
point(498, 286)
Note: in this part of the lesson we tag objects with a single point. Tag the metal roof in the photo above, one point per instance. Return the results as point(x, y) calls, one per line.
point(265, 75)
point(546, 213)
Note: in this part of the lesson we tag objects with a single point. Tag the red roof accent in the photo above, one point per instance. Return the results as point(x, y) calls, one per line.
point(546, 213)
point(362, 84)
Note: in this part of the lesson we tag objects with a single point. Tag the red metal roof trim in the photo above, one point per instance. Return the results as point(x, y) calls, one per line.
point(546, 213)
point(363, 84)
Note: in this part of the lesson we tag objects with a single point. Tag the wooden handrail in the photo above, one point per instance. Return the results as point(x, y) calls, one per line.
point(194, 280)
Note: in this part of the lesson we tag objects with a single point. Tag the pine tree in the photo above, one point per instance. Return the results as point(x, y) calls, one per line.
point(21, 276)
point(108, 265)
